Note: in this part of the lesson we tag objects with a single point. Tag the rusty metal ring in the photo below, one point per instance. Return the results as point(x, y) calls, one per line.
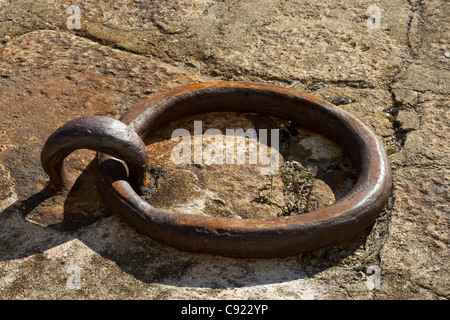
point(265, 237)
point(96, 133)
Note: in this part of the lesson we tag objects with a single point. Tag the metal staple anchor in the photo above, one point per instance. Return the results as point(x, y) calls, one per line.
point(247, 238)
point(96, 133)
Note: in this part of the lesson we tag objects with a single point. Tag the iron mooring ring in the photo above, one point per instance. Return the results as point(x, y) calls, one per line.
point(258, 237)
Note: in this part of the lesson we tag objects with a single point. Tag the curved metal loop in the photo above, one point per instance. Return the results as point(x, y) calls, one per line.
point(98, 133)
point(265, 237)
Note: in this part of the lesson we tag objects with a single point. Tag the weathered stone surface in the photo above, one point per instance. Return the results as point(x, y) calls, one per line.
point(321, 195)
point(427, 69)
point(429, 143)
point(48, 77)
point(7, 193)
point(407, 120)
point(259, 39)
point(418, 241)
